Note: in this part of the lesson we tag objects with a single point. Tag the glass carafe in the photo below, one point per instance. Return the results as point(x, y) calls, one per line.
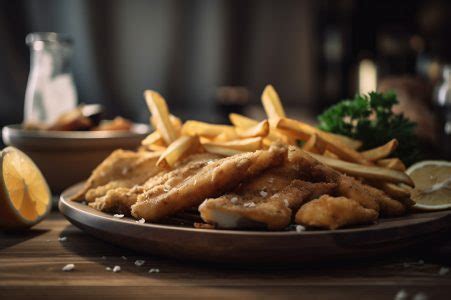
point(50, 89)
point(442, 103)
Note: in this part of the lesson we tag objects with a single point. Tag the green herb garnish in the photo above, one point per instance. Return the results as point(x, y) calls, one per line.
point(370, 119)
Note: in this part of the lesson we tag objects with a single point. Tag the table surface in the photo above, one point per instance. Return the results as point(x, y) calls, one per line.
point(31, 265)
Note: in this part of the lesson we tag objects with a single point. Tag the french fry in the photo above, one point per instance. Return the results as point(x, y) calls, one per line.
point(392, 163)
point(225, 136)
point(176, 122)
point(301, 130)
point(304, 131)
point(156, 147)
point(158, 107)
point(241, 121)
point(266, 142)
point(244, 145)
point(310, 145)
point(153, 154)
point(221, 150)
point(272, 104)
point(381, 152)
point(152, 138)
point(327, 153)
point(261, 129)
point(207, 130)
point(324, 143)
point(394, 191)
point(177, 150)
point(204, 140)
point(367, 172)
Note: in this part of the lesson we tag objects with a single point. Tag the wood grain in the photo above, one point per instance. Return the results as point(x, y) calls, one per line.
point(31, 262)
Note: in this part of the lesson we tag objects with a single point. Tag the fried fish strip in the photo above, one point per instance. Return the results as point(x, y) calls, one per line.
point(119, 200)
point(350, 187)
point(267, 200)
point(369, 197)
point(121, 168)
point(334, 212)
point(253, 208)
point(212, 180)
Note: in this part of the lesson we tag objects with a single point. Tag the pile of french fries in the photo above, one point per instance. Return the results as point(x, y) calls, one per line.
point(174, 140)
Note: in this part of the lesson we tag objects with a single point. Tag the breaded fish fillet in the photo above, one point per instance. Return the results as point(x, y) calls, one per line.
point(120, 200)
point(267, 200)
point(369, 197)
point(246, 209)
point(350, 187)
point(334, 212)
point(121, 168)
point(212, 180)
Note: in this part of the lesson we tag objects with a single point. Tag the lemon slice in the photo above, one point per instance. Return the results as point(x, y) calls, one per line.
point(432, 184)
point(25, 197)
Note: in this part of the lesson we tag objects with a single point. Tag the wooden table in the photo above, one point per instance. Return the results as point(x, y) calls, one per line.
point(31, 268)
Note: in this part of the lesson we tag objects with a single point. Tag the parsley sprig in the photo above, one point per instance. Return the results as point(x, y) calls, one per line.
point(370, 118)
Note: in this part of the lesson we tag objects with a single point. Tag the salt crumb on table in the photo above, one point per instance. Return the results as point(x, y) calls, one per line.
point(300, 228)
point(420, 296)
point(68, 267)
point(139, 262)
point(443, 271)
point(116, 269)
point(401, 295)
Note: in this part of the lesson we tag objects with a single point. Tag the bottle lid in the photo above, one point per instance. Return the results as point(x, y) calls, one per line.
point(48, 37)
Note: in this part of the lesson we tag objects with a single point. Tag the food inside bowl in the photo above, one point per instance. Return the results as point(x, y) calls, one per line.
point(83, 118)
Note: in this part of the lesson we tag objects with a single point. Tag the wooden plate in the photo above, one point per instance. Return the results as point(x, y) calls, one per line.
point(177, 238)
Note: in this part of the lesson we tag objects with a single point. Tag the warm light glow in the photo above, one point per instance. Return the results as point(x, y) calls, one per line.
point(367, 76)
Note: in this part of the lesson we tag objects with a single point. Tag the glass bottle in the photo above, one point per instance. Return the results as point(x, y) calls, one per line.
point(442, 103)
point(50, 88)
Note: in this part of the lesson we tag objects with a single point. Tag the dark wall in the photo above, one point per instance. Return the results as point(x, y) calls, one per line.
point(186, 49)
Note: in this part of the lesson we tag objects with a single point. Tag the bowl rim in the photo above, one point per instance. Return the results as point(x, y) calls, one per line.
point(16, 130)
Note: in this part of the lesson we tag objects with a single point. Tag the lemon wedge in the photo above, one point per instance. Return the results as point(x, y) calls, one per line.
point(25, 198)
point(432, 184)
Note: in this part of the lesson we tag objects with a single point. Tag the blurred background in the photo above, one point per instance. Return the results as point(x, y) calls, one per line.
point(210, 56)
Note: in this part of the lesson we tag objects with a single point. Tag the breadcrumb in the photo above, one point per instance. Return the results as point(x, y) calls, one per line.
point(154, 270)
point(139, 262)
point(68, 267)
point(116, 269)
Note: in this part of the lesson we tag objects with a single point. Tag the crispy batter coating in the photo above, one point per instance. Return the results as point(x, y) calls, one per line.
point(212, 180)
point(120, 200)
point(267, 200)
point(121, 169)
point(369, 197)
point(334, 212)
point(264, 188)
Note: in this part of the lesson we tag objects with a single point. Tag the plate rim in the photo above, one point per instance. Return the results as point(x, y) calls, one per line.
point(65, 204)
